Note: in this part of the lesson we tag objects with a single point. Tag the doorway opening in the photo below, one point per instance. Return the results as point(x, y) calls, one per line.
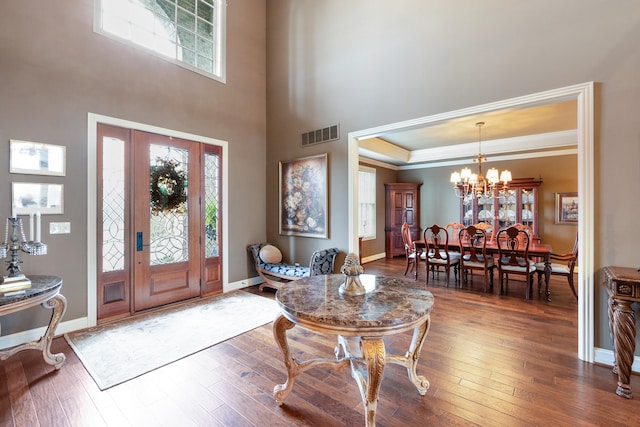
point(584, 96)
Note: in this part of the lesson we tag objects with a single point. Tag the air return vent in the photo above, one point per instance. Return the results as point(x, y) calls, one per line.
point(327, 134)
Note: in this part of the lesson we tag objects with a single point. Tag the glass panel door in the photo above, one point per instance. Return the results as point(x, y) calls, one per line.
point(166, 236)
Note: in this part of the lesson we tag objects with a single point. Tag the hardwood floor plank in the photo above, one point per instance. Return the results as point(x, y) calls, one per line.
point(6, 413)
point(491, 361)
point(45, 398)
point(24, 412)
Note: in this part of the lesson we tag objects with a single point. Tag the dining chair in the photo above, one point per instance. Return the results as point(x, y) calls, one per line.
point(453, 229)
point(473, 248)
point(513, 258)
point(564, 265)
point(488, 229)
point(438, 255)
point(411, 253)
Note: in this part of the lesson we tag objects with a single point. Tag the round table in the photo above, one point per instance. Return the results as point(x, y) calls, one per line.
point(44, 290)
point(389, 306)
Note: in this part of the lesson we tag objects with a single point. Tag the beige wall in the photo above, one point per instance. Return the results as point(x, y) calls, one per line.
point(54, 70)
point(368, 63)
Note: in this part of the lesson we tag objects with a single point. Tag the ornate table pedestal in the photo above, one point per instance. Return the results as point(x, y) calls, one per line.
point(44, 290)
point(623, 286)
point(390, 306)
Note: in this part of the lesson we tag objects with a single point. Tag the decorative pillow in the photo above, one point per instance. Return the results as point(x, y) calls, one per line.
point(270, 254)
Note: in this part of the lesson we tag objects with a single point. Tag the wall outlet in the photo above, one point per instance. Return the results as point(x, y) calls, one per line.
point(59, 227)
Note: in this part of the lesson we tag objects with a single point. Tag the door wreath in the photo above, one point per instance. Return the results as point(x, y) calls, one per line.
point(168, 187)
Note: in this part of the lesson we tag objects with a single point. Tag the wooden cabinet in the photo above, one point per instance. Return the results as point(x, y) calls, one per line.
point(402, 204)
point(519, 205)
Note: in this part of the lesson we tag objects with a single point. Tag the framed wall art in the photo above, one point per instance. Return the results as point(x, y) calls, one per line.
point(303, 197)
point(31, 197)
point(567, 208)
point(36, 158)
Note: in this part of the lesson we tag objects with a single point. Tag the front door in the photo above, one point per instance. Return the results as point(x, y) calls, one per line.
point(159, 220)
point(166, 214)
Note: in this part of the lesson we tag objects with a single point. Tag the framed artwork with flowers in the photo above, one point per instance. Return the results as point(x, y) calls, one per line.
point(303, 197)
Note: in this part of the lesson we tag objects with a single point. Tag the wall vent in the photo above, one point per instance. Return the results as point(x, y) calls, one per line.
point(319, 136)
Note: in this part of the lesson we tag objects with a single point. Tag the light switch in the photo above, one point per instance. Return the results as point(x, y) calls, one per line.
point(59, 227)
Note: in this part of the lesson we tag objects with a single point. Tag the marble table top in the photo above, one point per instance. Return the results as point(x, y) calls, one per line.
point(39, 285)
point(390, 305)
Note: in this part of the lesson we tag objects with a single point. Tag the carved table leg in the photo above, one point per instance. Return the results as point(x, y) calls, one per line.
point(547, 277)
point(410, 360)
point(280, 392)
point(280, 327)
point(373, 353)
point(59, 305)
point(610, 307)
point(624, 336)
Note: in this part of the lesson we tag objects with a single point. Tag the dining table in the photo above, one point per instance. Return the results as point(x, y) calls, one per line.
point(536, 250)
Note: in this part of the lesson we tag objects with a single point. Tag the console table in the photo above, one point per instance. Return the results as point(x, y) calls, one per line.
point(390, 306)
point(623, 286)
point(44, 290)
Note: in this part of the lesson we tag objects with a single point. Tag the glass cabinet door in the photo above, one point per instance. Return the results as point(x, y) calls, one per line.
point(485, 210)
point(528, 206)
point(507, 209)
point(467, 210)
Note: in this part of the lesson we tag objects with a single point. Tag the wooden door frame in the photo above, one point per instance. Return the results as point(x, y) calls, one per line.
point(93, 120)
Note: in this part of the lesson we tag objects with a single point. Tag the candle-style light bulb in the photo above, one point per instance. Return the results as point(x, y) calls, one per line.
point(31, 226)
point(38, 226)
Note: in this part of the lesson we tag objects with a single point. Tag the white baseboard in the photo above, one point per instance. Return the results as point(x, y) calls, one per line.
point(605, 357)
point(372, 258)
point(243, 284)
point(35, 334)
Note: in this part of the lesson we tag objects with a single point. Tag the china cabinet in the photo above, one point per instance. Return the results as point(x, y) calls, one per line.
point(402, 204)
point(519, 205)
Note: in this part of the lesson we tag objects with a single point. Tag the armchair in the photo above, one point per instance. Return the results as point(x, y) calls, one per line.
point(561, 265)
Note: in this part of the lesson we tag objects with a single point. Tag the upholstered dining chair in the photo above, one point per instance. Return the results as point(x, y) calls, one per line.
point(412, 254)
point(473, 247)
point(436, 239)
point(561, 265)
point(513, 258)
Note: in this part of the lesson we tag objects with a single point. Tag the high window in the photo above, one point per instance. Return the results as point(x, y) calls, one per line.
point(190, 33)
point(367, 202)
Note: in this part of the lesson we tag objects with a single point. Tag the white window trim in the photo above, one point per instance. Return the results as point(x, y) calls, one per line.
point(368, 169)
point(221, 37)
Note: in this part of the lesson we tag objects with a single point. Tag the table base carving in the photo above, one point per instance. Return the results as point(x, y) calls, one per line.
point(623, 286)
point(366, 356)
point(58, 304)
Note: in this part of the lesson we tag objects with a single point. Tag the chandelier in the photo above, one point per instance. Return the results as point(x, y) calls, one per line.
point(467, 184)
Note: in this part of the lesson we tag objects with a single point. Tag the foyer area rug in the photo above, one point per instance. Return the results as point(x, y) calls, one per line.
point(117, 352)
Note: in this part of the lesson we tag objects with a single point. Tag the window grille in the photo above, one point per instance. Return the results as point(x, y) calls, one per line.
point(190, 33)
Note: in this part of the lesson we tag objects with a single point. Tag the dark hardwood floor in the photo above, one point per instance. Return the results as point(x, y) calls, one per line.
point(491, 361)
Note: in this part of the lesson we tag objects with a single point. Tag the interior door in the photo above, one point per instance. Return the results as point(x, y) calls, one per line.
point(166, 217)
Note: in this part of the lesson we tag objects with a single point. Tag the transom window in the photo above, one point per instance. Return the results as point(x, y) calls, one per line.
point(189, 33)
point(367, 202)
